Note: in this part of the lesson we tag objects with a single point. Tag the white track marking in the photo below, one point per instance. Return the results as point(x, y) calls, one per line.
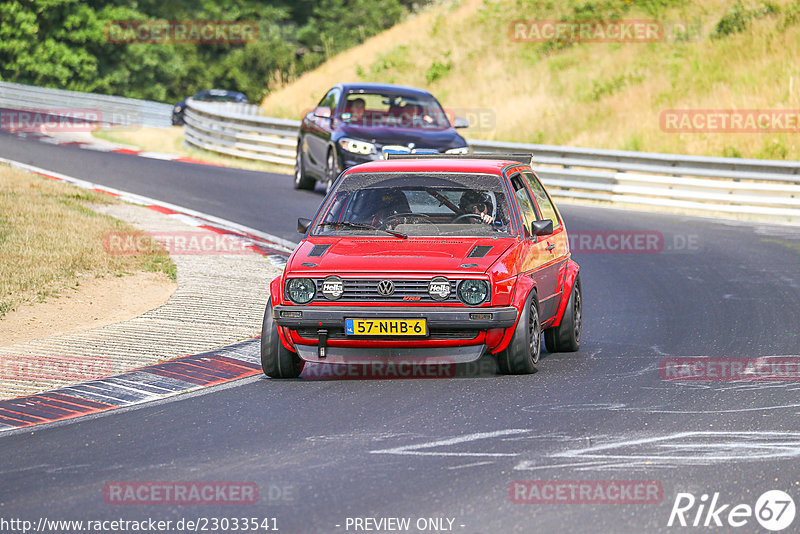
point(476, 464)
point(414, 449)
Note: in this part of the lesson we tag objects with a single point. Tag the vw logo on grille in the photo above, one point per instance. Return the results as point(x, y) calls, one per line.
point(386, 288)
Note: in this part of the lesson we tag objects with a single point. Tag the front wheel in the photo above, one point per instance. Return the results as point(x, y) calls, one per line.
point(276, 360)
point(522, 353)
point(566, 337)
point(331, 169)
point(301, 181)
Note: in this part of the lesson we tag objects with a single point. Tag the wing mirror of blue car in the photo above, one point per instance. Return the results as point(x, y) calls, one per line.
point(322, 112)
point(543, 227)
point(302, 225)
point(460, 122)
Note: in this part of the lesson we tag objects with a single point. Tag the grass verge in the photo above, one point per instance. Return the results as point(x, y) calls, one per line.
point(50, 238)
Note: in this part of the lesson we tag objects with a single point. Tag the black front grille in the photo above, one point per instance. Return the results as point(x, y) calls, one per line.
point(405, 290)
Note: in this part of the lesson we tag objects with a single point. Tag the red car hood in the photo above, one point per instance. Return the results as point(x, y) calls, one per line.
point(385, 255)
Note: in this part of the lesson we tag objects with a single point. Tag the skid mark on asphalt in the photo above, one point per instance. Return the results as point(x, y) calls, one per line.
point(680, 449)
point(620, 407)
point(602, 453)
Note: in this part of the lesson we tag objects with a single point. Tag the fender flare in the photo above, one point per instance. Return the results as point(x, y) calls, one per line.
point(570, 273)
point(522, 289)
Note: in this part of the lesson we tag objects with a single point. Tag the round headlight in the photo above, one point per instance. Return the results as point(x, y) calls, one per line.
point(473, 292)
point(332, 287)
point(300, 290)
point(439, 288)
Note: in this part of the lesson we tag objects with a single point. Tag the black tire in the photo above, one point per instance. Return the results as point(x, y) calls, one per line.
point(301, 180)
point(331, 169)
point(566, 337)
point(276, 360)
point(522, 353)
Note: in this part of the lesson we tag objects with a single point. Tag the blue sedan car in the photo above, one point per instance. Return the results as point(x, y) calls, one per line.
point(359, 122)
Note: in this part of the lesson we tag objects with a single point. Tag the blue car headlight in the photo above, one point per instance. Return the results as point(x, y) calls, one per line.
point(459, 150)
point(357, 147)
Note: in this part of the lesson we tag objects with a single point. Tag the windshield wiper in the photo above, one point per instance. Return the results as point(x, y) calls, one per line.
point(364, 227)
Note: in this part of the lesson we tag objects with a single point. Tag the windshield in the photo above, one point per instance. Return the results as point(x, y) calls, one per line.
point(393, 111)
point(452, 204)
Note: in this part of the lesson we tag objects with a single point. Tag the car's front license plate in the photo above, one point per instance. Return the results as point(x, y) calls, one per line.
point(386, 327)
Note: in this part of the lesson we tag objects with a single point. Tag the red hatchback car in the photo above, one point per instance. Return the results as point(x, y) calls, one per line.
point(431, 259)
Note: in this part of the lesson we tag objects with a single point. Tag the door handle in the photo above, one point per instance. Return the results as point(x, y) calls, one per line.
point(550, 246)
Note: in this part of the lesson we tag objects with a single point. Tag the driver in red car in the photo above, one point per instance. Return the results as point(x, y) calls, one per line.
point(475, 202)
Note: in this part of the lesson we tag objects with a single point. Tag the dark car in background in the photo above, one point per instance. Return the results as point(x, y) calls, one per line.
point(360, 122)
point(209, 95)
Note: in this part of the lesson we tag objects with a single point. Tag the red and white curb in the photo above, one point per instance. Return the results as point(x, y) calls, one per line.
point(274, 248)
point(110, 147)
point(182, 375)
point(154, 382)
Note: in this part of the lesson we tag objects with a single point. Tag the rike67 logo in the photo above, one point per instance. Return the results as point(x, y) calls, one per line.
point(774, 510)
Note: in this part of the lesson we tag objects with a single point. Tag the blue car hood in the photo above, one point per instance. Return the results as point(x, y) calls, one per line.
point(437, 139)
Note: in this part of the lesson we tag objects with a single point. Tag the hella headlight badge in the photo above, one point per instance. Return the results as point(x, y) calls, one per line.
point(356, 147)
point(332, 287)
point(439, 288)
point(473, 292)
point(300, 290)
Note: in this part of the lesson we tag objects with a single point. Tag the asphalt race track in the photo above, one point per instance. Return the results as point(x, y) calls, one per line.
point(322, 451)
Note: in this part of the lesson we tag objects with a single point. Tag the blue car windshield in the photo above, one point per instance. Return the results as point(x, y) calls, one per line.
point(377, 110)
point(447, 204)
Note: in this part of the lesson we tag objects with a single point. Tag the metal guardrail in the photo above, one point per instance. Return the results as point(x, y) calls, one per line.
point(113, 110)
point(705, 184)
point(731, 185)
point(237, 130)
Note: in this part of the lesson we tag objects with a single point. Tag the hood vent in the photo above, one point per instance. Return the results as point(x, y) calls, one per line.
point(479, 251)
point(318, 250)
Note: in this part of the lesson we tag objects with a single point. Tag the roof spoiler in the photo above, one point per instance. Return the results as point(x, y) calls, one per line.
point(521, 158)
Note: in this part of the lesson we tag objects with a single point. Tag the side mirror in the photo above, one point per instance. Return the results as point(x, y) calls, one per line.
point(543, 227)
point(303, 224)
point(322, 112)
point(460, 122)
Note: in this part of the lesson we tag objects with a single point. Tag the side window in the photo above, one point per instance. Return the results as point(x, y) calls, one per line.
point(525, 203)
point(330, 100)
point(542, 200)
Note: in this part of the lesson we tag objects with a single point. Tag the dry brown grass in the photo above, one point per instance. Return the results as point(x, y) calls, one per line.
point(50, 239)
point(604, 95)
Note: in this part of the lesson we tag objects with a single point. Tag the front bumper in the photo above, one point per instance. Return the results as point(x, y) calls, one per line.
point(436, 316)
point(360, 349)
